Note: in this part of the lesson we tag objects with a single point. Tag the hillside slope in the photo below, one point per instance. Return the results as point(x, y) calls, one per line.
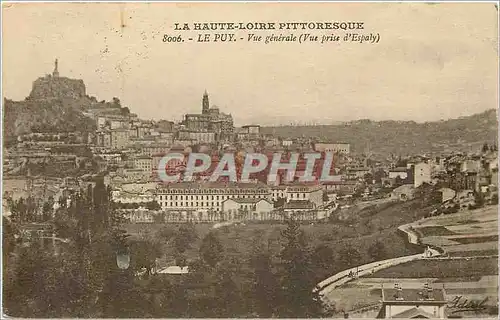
point(21, 116)
point(404, 137)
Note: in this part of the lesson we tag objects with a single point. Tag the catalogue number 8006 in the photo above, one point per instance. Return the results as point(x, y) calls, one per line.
point(167, 38)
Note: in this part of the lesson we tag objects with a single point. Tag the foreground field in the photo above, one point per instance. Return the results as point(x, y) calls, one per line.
point(468, 270)
point(441, 269)
point(463, 232)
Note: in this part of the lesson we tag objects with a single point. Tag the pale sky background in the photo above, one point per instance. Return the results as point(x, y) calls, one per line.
point(433, 61)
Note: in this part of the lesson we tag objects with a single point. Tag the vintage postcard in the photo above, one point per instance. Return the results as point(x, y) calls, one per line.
point(250, 160)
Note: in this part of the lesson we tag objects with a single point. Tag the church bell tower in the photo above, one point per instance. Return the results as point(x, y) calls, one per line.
point(205, 103)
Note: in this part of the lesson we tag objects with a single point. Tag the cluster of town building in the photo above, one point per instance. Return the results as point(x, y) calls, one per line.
point(126, 151)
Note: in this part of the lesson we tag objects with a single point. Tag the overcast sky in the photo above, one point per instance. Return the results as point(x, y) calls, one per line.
point(433, 62)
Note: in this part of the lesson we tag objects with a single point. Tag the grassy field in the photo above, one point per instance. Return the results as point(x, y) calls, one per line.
point(491, 252)
point(470, 240)
point(441, 269)
point(434, 231)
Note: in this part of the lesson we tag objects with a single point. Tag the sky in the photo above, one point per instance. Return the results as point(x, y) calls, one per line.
point(433, 61)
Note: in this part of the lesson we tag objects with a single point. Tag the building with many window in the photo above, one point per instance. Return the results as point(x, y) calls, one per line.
point(207, 195)
point(119, 138)
point(144, 163)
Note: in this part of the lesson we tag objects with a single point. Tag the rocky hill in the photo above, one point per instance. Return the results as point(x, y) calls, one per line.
point(54, 103)
point(404, 137)
point(23, 116)
point(50, 87)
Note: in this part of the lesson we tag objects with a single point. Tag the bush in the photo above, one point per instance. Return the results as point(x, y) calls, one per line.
point(494, 199)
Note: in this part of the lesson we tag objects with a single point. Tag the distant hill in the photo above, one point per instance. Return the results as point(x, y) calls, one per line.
point(404, 137)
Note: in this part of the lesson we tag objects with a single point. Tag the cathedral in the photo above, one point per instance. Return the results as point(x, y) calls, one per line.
point(210, 120)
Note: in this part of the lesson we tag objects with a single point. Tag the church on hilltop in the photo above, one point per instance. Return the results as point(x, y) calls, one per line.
point(210, 120)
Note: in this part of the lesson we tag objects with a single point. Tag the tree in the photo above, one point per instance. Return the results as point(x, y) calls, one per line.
point(379, 175)
point(166, 233)
point(143, 255)
point(64, 225)
point(494, 199)
point(377, 251)
point(265, 287)
point(29, 285)
point(125, 111)
point(401, 162)
point(31, 209)
point(485, 148)
point(368, 177)
point(159, 217)
point(116, 102)
point(325, 197)
point(478, 199)
point(211, 249)
point(184, 237)
point(297, 282)
point(398, 181)
point(228, 297)
point(348, 257)
point(279, 202)
point(177, 303)
point(357, 192)
point(47, 211)
point(197, 271)
point(153, 205)
point(180, 260)
point(322, 256)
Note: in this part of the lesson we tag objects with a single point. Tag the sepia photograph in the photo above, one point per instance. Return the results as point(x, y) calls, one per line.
point(250, 160)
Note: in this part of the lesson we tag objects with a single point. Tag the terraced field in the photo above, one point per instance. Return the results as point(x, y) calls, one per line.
point(468, 270)
point(463, 232)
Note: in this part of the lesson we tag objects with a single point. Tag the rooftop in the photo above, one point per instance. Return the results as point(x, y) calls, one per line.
point(213, 185)
point(413, 296)
point(247, 200)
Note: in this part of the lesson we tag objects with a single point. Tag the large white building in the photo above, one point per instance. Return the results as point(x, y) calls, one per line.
point(207, 195)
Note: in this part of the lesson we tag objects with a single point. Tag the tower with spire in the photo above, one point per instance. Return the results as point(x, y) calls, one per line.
point(55, 73)
point(205, 103)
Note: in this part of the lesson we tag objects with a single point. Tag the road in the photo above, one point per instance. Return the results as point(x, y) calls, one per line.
point(343, 277)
